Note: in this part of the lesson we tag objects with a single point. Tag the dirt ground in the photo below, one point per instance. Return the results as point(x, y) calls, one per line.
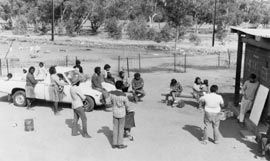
point(162, 133)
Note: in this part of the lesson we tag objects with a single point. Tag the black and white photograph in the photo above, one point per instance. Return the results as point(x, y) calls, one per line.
point(134, 80)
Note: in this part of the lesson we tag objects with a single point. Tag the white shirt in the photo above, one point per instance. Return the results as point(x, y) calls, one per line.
point(212, 102)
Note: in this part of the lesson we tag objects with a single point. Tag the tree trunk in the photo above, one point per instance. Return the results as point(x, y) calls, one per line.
point(176, 37)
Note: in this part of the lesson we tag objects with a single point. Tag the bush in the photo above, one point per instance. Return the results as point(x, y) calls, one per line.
point(44, 29)
point(61, 28)
point(20, 26)
point(70, 27)
point(194, 38)
point(114, 30)
point(166, 33)
point(151, 34)
point(137, 29)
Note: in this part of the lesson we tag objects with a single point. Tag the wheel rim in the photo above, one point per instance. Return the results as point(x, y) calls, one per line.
point(20, 99)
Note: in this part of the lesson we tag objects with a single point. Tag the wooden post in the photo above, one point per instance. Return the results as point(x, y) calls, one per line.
point(229, 58)
point(174, 63)
point(127, 66)
point(139, 62)
point(66, 60)
point(119, 64)
point(218, 59)
point(238, 70)
point(185, 63)
point(7, 66)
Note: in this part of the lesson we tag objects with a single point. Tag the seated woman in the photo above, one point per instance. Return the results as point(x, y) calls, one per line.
point(176, 90)
point(197, 90)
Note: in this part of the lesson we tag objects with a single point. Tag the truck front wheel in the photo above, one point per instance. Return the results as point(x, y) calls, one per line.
point(19, 98)
point(89, 104)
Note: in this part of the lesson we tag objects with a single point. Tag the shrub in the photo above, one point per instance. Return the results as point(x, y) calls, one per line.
point(44, 29)
point(166, 33)
point(61, 28)
point(137, 29)
point(70, 27)
point(20, 26)
point(194, 38)
point(113, 28)
point(151, 34)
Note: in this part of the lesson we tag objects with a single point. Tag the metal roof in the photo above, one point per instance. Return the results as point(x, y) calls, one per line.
point(264, 33)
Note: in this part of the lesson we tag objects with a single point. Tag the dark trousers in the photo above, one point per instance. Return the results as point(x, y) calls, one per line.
point(79, 113)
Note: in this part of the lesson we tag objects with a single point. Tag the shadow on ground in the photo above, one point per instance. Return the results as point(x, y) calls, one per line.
point(107, 132)
point(69, 123)
point(191, 103)
point(196, 131)
point(230, 129)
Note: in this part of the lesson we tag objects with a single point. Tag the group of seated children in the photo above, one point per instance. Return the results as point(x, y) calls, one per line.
point(137, 82)
point(200, 88)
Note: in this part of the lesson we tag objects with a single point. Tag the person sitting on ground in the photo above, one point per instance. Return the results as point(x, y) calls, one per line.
point(197, 91)
point(175, 91)
point(205, 87)
point(41, 72)
point(78, 66)
point(124, 79)
point(107, 74)
point(97, 80)
point(119, 101)
point(137, 87)
point(249, 90)
point(212, 104)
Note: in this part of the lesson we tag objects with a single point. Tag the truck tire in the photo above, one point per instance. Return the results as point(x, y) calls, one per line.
point(89, 104)
point(19, 98)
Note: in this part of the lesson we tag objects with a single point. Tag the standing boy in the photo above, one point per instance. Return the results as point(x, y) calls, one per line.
point(119, 101)
point(249, 91)
point(77, 106)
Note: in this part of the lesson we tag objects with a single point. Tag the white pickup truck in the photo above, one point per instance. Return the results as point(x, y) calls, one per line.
point(15, 87)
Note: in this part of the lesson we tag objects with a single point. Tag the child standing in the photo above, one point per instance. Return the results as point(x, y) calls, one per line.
point(77, 106)
point(119, 101)
point(129, 122)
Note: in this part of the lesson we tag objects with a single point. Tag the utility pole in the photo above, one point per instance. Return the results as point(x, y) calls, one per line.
point(214, 24)
point(52, 20)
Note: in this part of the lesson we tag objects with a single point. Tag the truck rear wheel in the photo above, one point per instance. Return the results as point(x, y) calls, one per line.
point(89, 104)
point(19, 98)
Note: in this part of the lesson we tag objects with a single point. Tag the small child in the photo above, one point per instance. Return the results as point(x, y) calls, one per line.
point(205, 87)
point(137, 86)
point(129, 122)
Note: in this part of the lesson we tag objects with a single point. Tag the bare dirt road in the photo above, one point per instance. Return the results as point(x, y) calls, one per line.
point(162, 133)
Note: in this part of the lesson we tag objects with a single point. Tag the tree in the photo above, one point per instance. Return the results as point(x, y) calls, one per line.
point(178, 15)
